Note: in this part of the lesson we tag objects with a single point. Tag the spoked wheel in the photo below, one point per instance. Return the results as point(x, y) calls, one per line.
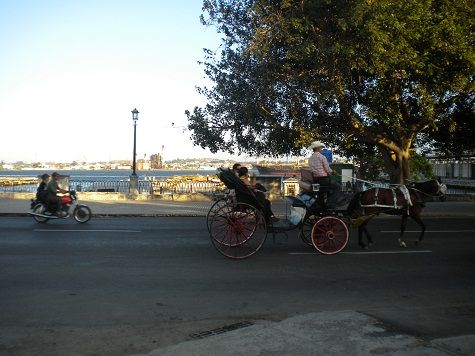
point(238, 231)
point(39, 208)
point(305, 232)
point(329, 235)
point(218, 204)
point(82, 213)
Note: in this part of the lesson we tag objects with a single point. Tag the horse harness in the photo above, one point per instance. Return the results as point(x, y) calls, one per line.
point(402, 188)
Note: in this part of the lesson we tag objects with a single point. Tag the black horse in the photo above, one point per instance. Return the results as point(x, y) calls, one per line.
point(402, 200)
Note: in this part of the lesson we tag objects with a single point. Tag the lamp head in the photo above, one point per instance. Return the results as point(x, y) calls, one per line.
point(135, 115)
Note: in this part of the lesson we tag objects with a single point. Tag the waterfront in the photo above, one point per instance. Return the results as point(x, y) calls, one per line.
point(118, 180)
point(104, 175)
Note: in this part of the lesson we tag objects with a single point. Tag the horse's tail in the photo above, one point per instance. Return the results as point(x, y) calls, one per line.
point(355, 212)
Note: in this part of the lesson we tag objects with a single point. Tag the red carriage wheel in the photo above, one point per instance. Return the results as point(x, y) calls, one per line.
point(237, 231)
point(329, 235)
point(215, 208)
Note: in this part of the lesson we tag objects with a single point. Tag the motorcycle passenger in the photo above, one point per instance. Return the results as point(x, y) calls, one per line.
point(42, 191)
point(54, 201)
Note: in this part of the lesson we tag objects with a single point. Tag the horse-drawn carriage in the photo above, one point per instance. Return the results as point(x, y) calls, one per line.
point(238, 225)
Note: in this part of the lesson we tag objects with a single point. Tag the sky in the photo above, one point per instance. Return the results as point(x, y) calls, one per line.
point(72, 71)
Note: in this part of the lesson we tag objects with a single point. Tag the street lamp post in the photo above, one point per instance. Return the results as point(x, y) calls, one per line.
point(134, 181)
point(135, 117)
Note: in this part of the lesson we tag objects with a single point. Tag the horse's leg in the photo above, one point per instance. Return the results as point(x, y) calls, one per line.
point(368, 235)
point(362, 229)
point(417, 218)
point(360, 237)
point(402, 243)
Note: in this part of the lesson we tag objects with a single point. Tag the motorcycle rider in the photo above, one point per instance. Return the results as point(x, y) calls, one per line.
point(54, 201)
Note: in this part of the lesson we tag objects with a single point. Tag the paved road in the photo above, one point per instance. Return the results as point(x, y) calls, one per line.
point(20, 207)
point(119, 286)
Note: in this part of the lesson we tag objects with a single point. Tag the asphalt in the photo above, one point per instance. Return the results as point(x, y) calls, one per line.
point(20, 207)
point(346, 332)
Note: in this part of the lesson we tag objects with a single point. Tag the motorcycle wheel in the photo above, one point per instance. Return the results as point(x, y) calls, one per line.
point(82, 213)
point(39, 209)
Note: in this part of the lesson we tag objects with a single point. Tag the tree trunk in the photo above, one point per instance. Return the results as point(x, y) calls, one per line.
point(397, 165)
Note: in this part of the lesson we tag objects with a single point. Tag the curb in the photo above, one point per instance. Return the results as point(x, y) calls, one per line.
point(116, 215)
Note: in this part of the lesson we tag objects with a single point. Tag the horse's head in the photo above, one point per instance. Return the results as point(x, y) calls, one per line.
point(433, 187)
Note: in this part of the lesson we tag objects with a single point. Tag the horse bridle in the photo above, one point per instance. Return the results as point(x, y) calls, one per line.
point(441, 190)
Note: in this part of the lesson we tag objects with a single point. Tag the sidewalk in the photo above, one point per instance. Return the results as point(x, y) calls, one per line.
point(20, 207)
point(333, 333)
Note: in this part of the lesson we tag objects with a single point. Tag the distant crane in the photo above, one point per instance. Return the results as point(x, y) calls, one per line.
point(179, 127)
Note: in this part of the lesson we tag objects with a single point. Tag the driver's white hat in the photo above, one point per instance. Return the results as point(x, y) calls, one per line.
point(316, 144)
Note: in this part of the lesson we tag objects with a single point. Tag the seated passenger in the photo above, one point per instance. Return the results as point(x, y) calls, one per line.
point(243, 174)
point(236, 167)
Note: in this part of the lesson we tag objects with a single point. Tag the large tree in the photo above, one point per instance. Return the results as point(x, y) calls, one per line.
point(362, 75)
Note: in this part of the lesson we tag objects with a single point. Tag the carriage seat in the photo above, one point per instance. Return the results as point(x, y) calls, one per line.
point(243, 193)
point(306, 180)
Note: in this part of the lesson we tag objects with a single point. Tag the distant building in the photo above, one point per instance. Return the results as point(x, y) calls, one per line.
point(156, 161)
point(451, 168)
point(143, 165)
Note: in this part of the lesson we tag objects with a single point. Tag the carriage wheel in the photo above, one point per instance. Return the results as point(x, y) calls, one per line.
point(329, 235)
point(305, 232)
point(218, 204)
point(238, 231)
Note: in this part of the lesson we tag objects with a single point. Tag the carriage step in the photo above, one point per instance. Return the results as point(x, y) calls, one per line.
point(281, 225)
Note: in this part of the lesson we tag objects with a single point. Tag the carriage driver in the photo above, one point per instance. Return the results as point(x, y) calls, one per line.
point(320, 168)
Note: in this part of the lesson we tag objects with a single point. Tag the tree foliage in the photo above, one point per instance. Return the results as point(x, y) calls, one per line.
point(455, 131)
point(364, 76)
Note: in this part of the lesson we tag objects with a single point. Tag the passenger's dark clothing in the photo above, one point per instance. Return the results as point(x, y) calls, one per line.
point(41, 192)
point(260, 197)
point(42, 186)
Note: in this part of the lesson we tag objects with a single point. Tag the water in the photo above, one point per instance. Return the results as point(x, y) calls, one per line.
point(97, 180)
point(107, 175)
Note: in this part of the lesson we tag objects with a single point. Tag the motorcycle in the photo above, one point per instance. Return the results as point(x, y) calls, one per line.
point(42, 212)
